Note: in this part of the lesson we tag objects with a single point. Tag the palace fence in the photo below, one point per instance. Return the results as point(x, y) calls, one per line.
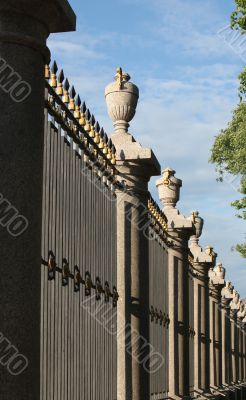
point(80, 303)
point(128, 305)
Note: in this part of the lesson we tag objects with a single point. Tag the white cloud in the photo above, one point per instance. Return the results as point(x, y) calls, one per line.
point(81, 47)
point(191, 26)
point(62, 47)
point(188, 112)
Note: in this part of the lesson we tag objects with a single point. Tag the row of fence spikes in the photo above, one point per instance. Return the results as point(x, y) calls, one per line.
point(66, 274)
point(157, 213)
point(80, 111)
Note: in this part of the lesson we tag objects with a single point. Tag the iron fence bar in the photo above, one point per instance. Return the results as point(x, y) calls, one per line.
point(58, 286)
point(157, 285)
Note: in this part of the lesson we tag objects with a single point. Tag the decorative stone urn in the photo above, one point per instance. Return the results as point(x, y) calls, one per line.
point(220, 271)
point(217, 275)
point(227, 291)
point(210, 251)
point(169, 188)
point(121, 98)
point(229, 286)
point(236, 296)
point(242, 311)
point(235, 303)
point(198, 222)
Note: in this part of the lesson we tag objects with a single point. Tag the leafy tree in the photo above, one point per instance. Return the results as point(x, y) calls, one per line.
point(238, 17)
point(229, 148)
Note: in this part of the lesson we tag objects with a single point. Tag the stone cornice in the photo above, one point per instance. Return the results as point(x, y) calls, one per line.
point(200, 256)
point(177, 221)
point(57, 15)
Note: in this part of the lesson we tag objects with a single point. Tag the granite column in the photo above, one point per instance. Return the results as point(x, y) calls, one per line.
point(24, 28)
point(179, 230)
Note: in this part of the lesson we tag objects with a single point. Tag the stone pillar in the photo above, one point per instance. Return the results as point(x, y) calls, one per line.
point(226, 297)
point(135, 165)
point(244, 355)
point(202, 262)
point(192, 333)
point(216, 284)
point(24, 28)
point(179, 230)
point(234, 308)
point(240, 316)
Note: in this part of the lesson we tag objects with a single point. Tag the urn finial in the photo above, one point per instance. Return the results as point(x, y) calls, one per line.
point(236, 298)
point(229, 286)
point(121, 98)
point(210, 251)
point(169, 188)
point(198, 222)
point(227, 291)
point(220, 270)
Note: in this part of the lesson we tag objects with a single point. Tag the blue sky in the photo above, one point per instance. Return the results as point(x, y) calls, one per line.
point(177, 54)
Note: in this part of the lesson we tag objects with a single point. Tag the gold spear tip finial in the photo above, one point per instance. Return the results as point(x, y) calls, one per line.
point(209, 249)
point(121, 77)
point(193, 216)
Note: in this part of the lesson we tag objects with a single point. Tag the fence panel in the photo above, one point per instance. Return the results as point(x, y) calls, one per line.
point(79, 295)
point(191, 330)
point(158, 302)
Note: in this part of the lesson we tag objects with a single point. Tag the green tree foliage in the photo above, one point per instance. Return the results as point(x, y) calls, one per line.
point(229, 156)
point(229, 149)
point(238, 17)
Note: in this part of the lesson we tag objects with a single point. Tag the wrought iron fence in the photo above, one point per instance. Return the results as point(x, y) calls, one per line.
point(79, 281)
point(158, 299)
point(79, 294)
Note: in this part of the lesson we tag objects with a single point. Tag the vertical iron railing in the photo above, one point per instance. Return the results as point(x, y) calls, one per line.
point(79, 295)
point(158, 301)
point(192, 333)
